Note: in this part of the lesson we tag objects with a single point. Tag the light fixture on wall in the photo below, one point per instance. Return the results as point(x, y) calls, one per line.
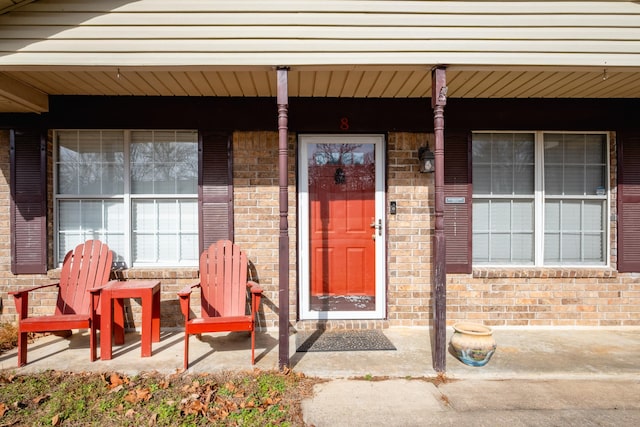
point(427, 160)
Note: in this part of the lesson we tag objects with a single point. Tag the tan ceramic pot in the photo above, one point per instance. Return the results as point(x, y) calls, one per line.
point(473, 343)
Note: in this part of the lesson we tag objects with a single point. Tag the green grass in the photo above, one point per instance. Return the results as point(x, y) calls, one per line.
point(256, 398)
point(56, 398)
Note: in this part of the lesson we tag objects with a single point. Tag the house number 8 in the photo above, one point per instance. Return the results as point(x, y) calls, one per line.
point(344, 123)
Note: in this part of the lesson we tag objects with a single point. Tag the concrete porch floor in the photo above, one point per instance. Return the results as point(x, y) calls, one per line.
point(521, 354)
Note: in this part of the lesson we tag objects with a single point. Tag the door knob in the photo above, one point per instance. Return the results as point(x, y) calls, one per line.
point(377, 226)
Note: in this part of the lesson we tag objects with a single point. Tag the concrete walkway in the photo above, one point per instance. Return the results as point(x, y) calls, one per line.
point(536, 377)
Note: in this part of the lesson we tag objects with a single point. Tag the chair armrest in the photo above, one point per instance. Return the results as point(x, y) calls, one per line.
point(254, 287)
point(100, 287)
point(187, 289)
point(185, 299)
point(21, 299)
point(19, 293)
point(256, 296)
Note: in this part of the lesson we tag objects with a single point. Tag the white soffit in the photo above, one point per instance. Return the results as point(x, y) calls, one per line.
point(22, 91)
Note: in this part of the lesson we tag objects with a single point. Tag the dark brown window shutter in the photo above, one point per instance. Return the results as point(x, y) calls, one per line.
point(457, 207)
point(628, 145)
point(28, 202)
point(215, 188)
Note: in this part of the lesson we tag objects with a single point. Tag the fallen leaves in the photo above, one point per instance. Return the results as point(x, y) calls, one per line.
point(8, 336)
point(40, 399)
point(235, 398)
point(7, 379)
point(194, 407)
point(114, 380)
point(55, 421)
point(138, 395)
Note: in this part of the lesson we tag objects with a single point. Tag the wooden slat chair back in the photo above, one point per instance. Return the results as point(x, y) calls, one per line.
point(223, 295)
point(84, 271)
point(87, 266)
point(223, 281)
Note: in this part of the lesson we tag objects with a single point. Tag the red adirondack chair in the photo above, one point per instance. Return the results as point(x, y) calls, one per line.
point(84, 271)
point(223, 294)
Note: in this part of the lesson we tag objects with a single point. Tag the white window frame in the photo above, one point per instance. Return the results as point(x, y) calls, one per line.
point(127, 199)
point(539, 201)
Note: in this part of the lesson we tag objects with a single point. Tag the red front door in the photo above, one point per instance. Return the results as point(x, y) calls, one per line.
point(342, 227)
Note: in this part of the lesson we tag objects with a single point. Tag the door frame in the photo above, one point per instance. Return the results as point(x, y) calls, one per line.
point(304, 290)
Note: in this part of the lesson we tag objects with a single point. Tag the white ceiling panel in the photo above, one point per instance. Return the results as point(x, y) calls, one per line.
point(382, 82)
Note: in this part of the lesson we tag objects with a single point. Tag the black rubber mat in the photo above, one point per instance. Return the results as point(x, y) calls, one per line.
point(366, 340)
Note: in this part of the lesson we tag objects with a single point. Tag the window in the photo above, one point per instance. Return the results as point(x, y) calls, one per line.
point(540, 198)
point(135, 190)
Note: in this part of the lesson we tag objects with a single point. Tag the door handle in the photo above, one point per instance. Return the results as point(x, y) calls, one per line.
point(377, 226)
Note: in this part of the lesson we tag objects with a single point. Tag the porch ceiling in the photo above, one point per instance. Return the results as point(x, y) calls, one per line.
point(9, 5)
point(27, 90)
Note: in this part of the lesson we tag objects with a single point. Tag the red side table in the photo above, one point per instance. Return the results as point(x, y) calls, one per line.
point(114, 293)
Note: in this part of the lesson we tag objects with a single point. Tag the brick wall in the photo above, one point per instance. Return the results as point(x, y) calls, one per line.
point(257, 214)
point(544, 297)
point(9, 282)
point(5, 199)
point(504, 297)
point(409, 232)
point(43, 302)
point(550, 297)
point(409, 236)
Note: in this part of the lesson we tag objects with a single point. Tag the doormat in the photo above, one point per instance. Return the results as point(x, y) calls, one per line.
point(367, 340)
